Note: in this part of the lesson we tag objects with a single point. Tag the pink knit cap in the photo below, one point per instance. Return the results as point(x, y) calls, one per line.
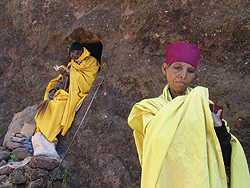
point(182, 51)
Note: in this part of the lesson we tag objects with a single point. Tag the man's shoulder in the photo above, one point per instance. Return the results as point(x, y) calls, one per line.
point(89, 61)
point(156, 102)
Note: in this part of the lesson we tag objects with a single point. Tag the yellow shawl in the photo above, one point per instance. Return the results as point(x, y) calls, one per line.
point(61, 110)
point(178, 146)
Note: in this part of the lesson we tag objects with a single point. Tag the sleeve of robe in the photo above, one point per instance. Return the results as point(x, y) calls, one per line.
point(224, 138)
point(139, 123)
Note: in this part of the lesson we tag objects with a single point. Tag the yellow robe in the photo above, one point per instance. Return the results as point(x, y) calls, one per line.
point(177, 144)
point(60, 112)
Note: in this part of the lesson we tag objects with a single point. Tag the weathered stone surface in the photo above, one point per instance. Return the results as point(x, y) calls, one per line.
point(39, 173)
point(58, 174)
point(40, 183)
point(28, 129)
point(5, 170)
point(3, 177)
point(135, 35)
point(44, 163)
point(12, 145)
point(2, 163)
point(4, 155)
point(3, 148)
point(21, 153)
point(18, 121)
point(18, 176)
point(113, 171)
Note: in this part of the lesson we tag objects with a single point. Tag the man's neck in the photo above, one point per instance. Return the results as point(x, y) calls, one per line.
point(174, 94)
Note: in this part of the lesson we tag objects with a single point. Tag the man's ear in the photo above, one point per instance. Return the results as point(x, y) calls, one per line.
point(164, 68)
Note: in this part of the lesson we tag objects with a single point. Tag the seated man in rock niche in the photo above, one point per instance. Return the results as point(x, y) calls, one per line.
point(65, 93)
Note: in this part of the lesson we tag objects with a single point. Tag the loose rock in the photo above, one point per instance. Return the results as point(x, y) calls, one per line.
point(18, 176)
point(2, 163)
point(3, 148)
point(12, 145)
point(39, 173)
point(3, 177)
point(4, 155)
point(58, 175)
point(21, 153)
point(5, 170)
point(45, 163)
point(38, 184)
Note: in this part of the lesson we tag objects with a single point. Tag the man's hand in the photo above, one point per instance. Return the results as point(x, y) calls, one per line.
point(62, 70)
point(216, 118)
point(64, 73)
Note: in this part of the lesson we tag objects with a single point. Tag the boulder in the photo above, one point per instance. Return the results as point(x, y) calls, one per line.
point(21, 153)
point(3, 177)
point(12, 145)
point(44, 163)
point(18, 121)
point(4, 155)
point(40, 183)
point(2, 163)
point(39, 173)
point(5, 170)
point(18, 176)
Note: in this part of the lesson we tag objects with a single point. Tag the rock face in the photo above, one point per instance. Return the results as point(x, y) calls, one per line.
point(135, 35)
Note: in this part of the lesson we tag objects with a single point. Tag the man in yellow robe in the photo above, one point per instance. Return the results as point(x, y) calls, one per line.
point(175, 133)
point(67, 92)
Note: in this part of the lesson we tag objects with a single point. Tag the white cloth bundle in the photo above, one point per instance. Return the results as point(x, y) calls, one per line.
point(43, 147)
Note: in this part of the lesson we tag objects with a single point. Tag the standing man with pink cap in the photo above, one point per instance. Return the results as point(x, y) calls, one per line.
point(180, 142)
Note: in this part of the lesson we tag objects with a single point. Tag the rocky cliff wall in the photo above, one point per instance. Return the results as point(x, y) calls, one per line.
point(135, 35)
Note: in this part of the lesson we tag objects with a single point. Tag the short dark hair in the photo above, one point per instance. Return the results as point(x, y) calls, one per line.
point(74, 46)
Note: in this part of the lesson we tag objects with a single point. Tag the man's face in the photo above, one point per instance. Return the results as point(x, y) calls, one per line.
point(75, 54)
point(179, 76)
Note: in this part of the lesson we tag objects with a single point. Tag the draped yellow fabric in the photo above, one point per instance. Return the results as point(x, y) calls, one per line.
point(61, 110)
point(177, 144)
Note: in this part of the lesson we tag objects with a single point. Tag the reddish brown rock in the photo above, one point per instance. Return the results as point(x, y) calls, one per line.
point(3, 148)
point(4, 155)
point(40, 183)
point(5, 170)
point(12, 145)
point(18, 176)
point(3, 177)
point(57, 174)
point(113, 171)
point(39, 173)
point(21, 153)
point(2, 163)
point(44, 163)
